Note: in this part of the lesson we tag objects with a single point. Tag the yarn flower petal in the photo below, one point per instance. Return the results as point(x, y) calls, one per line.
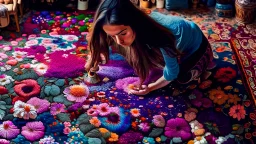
point(33, 130)
point(39, 104)
point(77, 93)
point(8, 130)
point(27, 88)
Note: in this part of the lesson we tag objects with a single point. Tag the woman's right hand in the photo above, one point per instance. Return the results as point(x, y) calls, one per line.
point(96, 65)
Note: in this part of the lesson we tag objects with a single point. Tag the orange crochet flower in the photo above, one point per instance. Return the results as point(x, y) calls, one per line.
point(237, 111)
point(113, 137)
point(233, 99)
point(218, 96)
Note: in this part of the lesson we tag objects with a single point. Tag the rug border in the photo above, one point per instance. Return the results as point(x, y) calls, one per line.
point(240, 67)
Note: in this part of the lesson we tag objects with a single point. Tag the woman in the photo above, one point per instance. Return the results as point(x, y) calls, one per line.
point(149, 41)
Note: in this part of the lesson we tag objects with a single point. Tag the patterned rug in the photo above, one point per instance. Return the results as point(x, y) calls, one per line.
point(244, 45)
point(44, 99)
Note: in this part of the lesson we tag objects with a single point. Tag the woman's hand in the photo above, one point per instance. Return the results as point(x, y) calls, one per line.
point(143, 90)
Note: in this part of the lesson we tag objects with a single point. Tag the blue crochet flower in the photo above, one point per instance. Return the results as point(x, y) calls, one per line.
point(77, 136)
point(46, 118)
point(20, 140)
point(148, 140)
point(118, 123)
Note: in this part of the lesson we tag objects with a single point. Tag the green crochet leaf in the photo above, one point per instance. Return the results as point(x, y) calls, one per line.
point(27, 74)
point(3, 97)
point(103, 141)
point(60, 82)
point(55, 90)
point(95, 133)
point(62, 99)
point(42, 94)
point(94, 141)
point(47, 90)
point(8, 117)
point(2, 114)
point(106, 135)
point(8, 101)
point(9, 86)
point(40, 81)
point(85, 128)
point(83, 119)
point(64, 117)
point(156, 132)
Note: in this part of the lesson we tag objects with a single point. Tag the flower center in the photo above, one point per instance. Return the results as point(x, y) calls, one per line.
point(77, 91)
point(27, 108)
point(113, 118)
point(18, 56)
point(178, 128)
point(219, 96)
point(135, 112)
point(6, 126)
point(104, 109)
point(27, 89)
point(42, 68)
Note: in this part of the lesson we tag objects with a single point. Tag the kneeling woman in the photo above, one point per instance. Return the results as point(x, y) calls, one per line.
point(148, 41)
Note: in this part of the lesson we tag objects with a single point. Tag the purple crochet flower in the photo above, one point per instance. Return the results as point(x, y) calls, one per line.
point(33, 50)
point(8, 130)
point(63, 64)
point(130, 138)
point(33, 130)
point(57, 108)
point(200, 101)
point(75, 107)
point(217, 123)
point(178, 127)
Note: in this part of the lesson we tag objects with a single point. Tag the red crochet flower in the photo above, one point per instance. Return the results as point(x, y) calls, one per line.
point(3, 90)
point(225, 74)
point(27, 88)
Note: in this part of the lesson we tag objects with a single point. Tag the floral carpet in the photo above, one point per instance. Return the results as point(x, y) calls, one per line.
point(44, 97)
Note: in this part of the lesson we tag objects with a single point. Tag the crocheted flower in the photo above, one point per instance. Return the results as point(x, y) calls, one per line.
point(144, 126)
point(57, 108)
point(8, 130)
point(197, 128)
point(177, 127)
point(237, 111)
point(77, 93)
point(199, 100)
point(225, 74)
point(3, 90)
point(3, 56)
point(92, 112)
point(127, 83)
point(23, 110)
point(218, 96)
point(103, 109)
point(135, 112)
point(41, 105)
point(130, 137)
point(48, 140)
point(4, 141)
point(95, 121)
point(215, 122)
point(40, 68)
point(18, 55)
point(33, 130)
point(158, 121)
point(5, 79)
point(27, 88)
point(116, 122)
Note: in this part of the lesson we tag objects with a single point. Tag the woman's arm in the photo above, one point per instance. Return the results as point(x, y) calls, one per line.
point(160, 83)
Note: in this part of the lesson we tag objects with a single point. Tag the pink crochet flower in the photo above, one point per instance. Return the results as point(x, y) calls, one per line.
point(33, 130)
point(8, 130)
point(178, 127)
point(41, 105)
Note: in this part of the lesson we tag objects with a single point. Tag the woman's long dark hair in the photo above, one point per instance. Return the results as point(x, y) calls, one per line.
point(144, 53)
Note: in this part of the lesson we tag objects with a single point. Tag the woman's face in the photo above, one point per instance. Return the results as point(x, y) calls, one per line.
point(122, 35)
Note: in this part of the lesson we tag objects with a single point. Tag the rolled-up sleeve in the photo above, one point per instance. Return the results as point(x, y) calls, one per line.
point(171, 69)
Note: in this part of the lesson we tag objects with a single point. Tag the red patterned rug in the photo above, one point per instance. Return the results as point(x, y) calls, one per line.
point(244, 46)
